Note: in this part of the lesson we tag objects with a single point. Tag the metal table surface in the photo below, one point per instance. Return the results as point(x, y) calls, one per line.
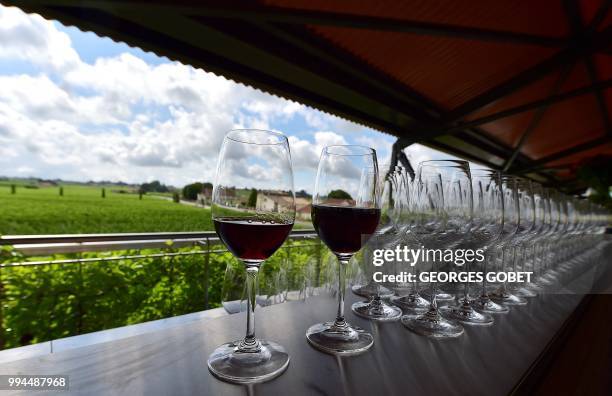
point(484, 361)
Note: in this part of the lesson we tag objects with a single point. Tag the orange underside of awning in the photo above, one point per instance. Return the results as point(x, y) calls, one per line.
point(523, 86)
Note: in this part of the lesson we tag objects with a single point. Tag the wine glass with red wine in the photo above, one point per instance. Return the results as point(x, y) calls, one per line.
point(345, 213)
point(253, 209)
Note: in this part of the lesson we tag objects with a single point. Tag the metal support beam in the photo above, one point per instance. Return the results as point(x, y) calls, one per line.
point(433, 132)
point(537, 117)
point(574, 16)
point(599, 96)
point(598, 41)
point(599, 16)
point(398, 155)
point(561, 154)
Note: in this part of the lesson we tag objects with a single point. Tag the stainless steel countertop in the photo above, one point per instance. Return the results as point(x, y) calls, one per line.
point(484, 361)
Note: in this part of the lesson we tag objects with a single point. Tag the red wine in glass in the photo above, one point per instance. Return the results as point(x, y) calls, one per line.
point(344, 229)
point(250, 239)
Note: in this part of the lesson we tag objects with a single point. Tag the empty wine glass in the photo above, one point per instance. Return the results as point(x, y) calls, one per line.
point(260, 161)
point(487, 224)
point(544, 250)
point(390, 184)
point(345, 213)
point(519, 211)
point(386, 235)
point(409, 300)
point(542, 223)
point(444, 199)
point(233, 291)
point(509, 202)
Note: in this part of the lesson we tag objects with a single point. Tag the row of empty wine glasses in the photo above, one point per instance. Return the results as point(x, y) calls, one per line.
point(520, 226)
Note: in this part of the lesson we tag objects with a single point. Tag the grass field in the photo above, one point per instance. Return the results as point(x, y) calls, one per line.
point(83, 210)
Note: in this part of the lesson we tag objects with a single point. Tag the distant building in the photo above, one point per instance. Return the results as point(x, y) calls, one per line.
point(303, 206)
point(205, 196)
point(272, 201)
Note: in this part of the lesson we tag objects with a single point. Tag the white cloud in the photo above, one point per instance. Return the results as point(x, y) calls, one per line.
point(25, 170)
point(306, 155)
point(121, 118)
point(32, 38)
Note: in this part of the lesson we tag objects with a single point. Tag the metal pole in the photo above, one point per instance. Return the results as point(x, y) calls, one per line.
point(79, 297)
point(318, 267)
point(171, 284)
point(2, 333)
point(206, 273)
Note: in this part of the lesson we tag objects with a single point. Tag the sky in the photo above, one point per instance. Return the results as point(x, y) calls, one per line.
point(75, 106)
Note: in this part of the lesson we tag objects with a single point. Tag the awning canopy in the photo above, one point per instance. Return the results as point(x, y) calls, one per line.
point(521, 86)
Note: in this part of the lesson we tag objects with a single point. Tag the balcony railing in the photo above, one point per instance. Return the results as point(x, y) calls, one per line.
point(34, 251)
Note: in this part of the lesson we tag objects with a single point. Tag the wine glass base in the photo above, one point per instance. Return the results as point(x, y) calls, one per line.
point(485, 304)
point(465, 314)
point(507, 298)
point(432, 325)
point(335, 340)
point(413, 303)
point(536, 287)
point(371, 289)
point(441, 296)
point(526, 292)
point(231, 365)
point(547, 280)
point(381, 312)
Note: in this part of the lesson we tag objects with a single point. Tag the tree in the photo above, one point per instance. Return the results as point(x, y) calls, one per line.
point(175, 197)
point(303, 194)
point(252, 202)
point(154, 186)
point(597, 174)
point(61, 191)
point(191, 191)
point(339, 194)
point(104, 193)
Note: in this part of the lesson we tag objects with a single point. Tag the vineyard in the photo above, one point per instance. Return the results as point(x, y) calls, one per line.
point(81, 209)
point(45, 302)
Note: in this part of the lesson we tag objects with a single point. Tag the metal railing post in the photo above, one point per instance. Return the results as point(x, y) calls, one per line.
point(171, 283)
point(206, 272)
point(318, 248)
point(2, 332)
point(80, 296)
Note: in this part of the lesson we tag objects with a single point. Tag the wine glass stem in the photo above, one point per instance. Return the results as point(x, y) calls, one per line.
point(343, 263)
point(415, 285)
point(484, 274)
point(250, 343)
point(433, 305)
point(504, 256)
point(466, 292)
